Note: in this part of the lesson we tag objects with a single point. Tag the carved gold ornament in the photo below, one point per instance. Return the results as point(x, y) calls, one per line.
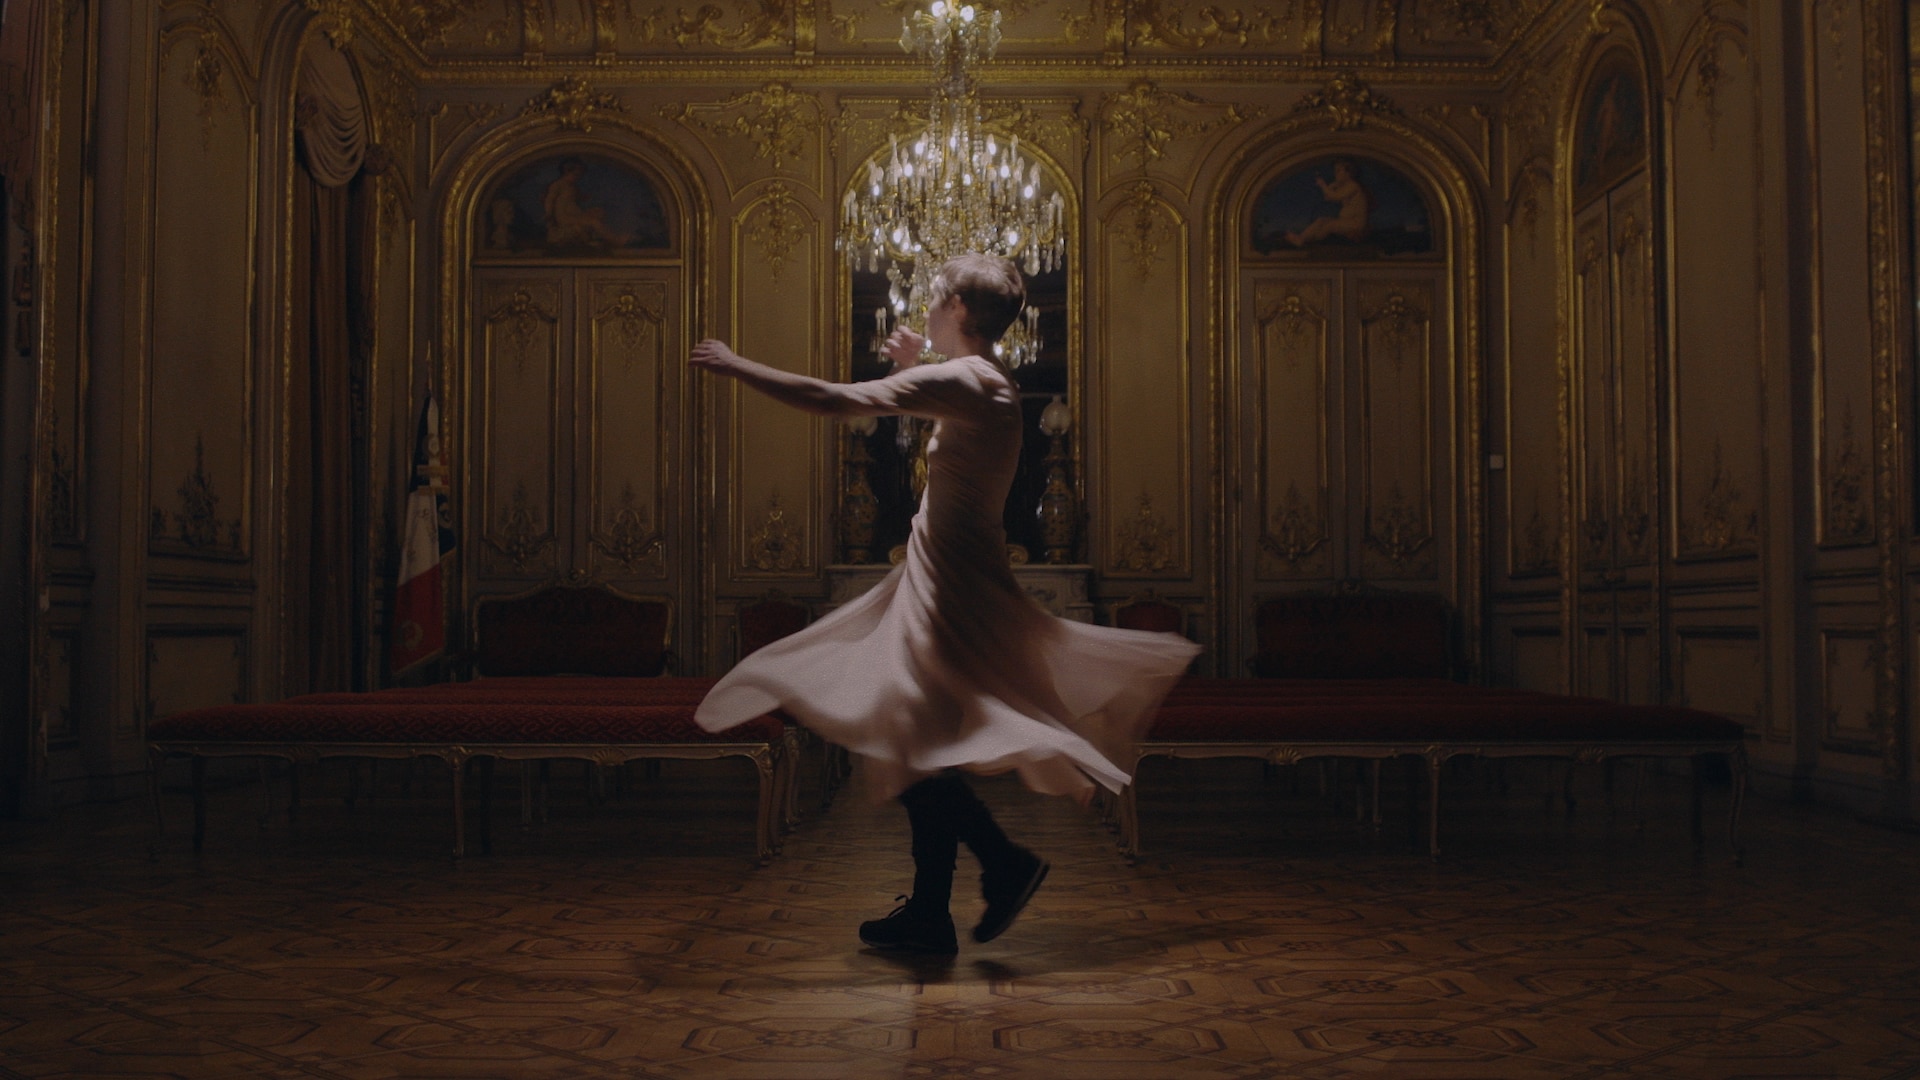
point(1539, 552)
point(762, 22)
point(1398, 531)
point(1140, 120)
point(200, 526)
point(777, 226)
point(1146, 540)
point(519, 536)
point(203, 77)
point(1849, 511)
point(335, 17)
point(573, 104)
point(1155, 23)
point(778, 545)
point(631, 540)
point(774, 118)
point(1721, 525)
point(523, 317)
point(1348, 100)
point(425, 20)
point(1296, 530)
point(632, 320)
point(1149, 226)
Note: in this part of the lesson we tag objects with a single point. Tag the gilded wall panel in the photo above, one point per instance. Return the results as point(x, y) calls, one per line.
point(1849, 712)
point(1724, 672)
point(192, 667)
point(1291, 350)
point(1636, 333)
point(1718, 299)
point(1143, 512)
point(1593, 364)
point(1152, 130)
point(1534, 445)
point(777, 450)
point(1397, 334)
point(634, 363)
point(201, 276)
point(521, 393)
point(1843, 313)
point(872, 27)
point(71, 256)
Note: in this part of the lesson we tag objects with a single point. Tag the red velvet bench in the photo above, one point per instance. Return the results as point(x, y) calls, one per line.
point(1384, 695)
point(612, 707)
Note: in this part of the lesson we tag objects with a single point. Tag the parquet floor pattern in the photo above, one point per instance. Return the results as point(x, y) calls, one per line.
point(1263, 935)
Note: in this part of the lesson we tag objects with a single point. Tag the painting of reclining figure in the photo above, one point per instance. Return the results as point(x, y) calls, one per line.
point(1343, 208)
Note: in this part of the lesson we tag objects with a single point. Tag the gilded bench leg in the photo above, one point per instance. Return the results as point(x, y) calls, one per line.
point(769, 805)
point(1377, 764)
point(1737, 763)
point(486, 805)
point(1127, 803)
point(459, 766)
point(199, 802)
point(155, 758)
point(1434, 762)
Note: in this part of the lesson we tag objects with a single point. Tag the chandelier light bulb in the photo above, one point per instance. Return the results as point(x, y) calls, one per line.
point(966, 13)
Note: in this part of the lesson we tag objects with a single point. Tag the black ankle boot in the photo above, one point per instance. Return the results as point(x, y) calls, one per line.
point(1007, 884)
point(909, 929)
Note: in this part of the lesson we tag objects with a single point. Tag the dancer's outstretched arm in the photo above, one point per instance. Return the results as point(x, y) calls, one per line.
point(924, 390)
point(800, 391)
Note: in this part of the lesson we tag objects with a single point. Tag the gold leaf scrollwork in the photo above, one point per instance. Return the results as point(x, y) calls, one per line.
point(1153, 24)
point(632, 321)
point(519, 536)
point(1149, 228)
point(1348, 100)
point(198, 519)
point(335, 17)
point(1477, 20)
point(1539, 550)
point(203, 77)
point(1524, 198)
point(1401, 324)
point(1399, 531)
point(523, 317)
point(631, 539)
point(765, 22)
point(1849, 511)
point(1636, 517)
point(1296, 529)
point(775, 118)
point(573, 103)
point(1146, 540)
point(778, 225)
point(777, 546)
point(1706, 84)
point(1298, 323)
point(1141, 124)
point(1721, 526)
point(425, 20)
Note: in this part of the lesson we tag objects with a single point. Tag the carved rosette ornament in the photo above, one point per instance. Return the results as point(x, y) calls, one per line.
point(523, 318)
point(631, 540)
point(519, 536)
point(1397, 531)
point(777, 546)
point(1296, 530)
point(1348, 100)
point(632, 322)
point(573, 104)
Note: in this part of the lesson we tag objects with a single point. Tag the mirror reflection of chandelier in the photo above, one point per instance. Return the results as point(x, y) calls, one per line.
point(954, 188)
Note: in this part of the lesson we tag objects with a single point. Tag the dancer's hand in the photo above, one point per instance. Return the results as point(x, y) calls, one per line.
point(716, 357)
point(904, 347)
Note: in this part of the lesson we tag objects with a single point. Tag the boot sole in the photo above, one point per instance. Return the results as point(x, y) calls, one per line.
point(984, 933)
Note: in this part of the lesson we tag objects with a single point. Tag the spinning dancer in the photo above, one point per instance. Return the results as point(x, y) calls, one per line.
point(947, 664)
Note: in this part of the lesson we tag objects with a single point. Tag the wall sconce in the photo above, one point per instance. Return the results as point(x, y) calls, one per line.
point(1058, 512)
point(858, 507)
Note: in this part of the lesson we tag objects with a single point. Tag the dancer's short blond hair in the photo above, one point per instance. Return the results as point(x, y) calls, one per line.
point(989, 287)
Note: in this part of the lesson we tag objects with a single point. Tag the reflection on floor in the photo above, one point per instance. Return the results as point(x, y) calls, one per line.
point(1263, 935)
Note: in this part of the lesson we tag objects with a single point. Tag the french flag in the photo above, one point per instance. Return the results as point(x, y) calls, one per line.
point(419, 602)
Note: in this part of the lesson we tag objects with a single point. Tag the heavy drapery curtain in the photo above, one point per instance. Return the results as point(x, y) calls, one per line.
point(326, 573)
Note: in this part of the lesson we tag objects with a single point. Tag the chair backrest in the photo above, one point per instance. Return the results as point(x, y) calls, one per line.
point(572, 630)
point(1377, 636)
point(1150, 612)
point(769, 619)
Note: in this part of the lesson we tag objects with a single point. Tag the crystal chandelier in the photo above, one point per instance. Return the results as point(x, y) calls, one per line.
point(955, 188)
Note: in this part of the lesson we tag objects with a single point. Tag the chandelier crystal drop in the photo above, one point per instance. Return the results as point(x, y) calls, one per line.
point(953, 188)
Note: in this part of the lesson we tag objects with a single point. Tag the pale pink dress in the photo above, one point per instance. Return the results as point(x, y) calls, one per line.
point(947, 662)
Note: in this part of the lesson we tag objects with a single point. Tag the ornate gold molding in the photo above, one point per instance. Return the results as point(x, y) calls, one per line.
point(762, 22)
point(1140, 120)
point(519, 536)
point(1722, 526)
point(203, 76)
point(778, 545)
point(522, 315)
point(1149, 227)
point(631, 540)
point(777, 225)
point(201, 529)
point(775, 118)
point(63, 512)
point(1296, 529)
point(1538, 551)
point(1399, 532)
point(424, 21)
point(1636, 515)
point(573, 103)
point(1348, 100)
point(1848, 504)
point(1152, 23)
point(1146, 540)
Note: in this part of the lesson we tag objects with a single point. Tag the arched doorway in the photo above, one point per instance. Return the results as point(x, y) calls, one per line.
point(1343, 382)
point(1615, 373)
point(577, 322)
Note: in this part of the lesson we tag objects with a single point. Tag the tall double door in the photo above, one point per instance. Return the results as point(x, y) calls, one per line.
point(575, 447)
point(1343, 432)
point(1616, 446)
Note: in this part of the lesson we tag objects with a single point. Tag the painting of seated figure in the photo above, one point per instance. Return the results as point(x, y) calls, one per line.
point(574, 205)
point(1341, 208)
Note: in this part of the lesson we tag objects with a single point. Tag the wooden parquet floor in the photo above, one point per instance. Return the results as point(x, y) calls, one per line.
point(1263, 935)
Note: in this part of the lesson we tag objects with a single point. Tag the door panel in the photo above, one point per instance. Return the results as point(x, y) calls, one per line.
point(521, 386)
point(1396, 331)
point(632, 322)
point(1291, 351)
